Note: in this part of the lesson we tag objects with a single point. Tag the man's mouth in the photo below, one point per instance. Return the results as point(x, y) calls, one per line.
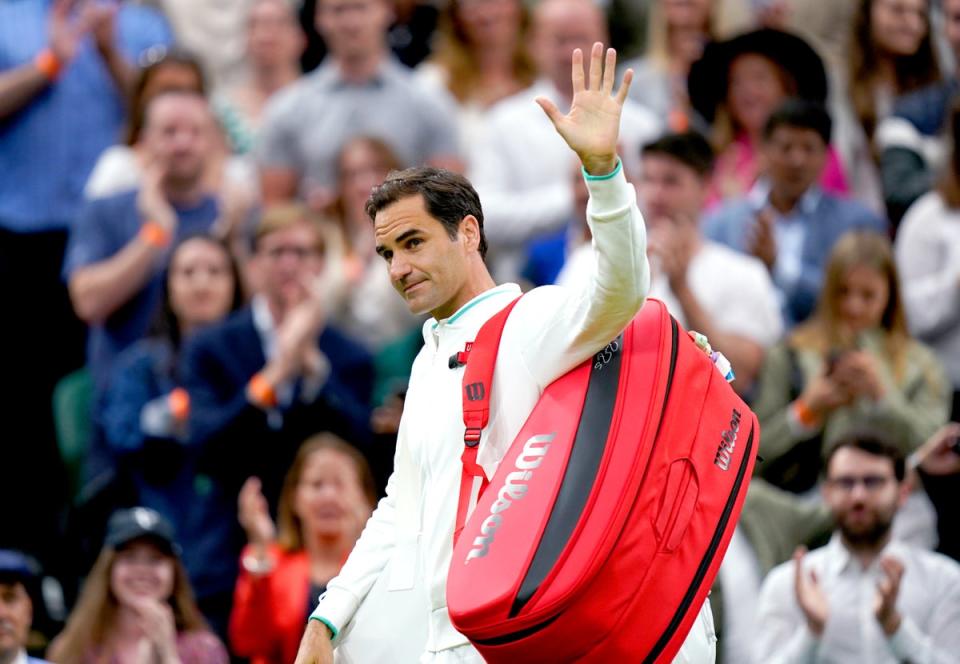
point(410, 287)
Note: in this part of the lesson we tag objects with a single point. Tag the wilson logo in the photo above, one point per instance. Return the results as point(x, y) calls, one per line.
point(728, 442)
point(514, 488)
point(475, 391)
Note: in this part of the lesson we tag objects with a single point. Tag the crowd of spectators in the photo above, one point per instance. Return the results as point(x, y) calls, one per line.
point(206, 361)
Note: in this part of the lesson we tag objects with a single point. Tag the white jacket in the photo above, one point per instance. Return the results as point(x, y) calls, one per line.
point(550, 331)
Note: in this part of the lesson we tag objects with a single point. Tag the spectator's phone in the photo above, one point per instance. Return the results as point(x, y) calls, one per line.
point(833, 359)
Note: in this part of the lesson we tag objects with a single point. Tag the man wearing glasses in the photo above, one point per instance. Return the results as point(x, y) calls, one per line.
point(863, 597)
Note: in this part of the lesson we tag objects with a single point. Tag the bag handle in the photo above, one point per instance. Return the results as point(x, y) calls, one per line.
point(480, 357)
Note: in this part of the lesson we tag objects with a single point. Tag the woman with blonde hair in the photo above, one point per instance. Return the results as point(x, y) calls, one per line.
point(327, 497)
point(852, 365)
point(677, 32)
point(136, 606)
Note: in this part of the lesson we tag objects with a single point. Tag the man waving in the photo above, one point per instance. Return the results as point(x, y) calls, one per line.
point(429, 229)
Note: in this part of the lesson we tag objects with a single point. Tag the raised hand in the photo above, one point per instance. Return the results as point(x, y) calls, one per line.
point(938, 456)
point(254, 515)
point(64, 32)
point(888, 588)
point(592, 126)
point(810, 595)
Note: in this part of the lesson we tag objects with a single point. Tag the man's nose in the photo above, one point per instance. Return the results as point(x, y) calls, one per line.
point(399, 268)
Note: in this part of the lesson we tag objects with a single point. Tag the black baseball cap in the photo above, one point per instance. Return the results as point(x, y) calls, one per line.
point(136, 523)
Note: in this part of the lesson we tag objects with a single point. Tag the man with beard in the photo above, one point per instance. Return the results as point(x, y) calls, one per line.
point(863, 597)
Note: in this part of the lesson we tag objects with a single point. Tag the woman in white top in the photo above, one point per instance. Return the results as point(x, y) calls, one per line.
point(480, 58)
point(928, 256)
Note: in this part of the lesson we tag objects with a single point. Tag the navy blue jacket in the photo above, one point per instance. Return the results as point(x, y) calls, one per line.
point(238, 439)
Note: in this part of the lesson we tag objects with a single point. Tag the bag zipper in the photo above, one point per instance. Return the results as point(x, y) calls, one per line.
point(707, 558)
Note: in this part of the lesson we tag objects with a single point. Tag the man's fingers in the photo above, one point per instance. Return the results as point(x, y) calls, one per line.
point(596, 67)
point(551, 109)
point(577, 71)
point(624, 87)
point(609, 71)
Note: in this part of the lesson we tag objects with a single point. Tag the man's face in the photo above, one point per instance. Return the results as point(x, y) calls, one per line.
point(179, 133)
point(669, 189)
point(16, 614)
point(794, 158)
point(559, 27)
point(863, 495)
point(353, 28)
point(285, 261)
point(426, 266)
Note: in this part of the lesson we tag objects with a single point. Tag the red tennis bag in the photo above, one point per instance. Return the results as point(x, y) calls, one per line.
point(599, 536)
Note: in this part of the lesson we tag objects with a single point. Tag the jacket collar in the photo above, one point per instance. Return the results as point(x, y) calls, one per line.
point(471, 315)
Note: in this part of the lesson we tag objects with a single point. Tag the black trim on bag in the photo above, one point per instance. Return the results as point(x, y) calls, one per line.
point(589, 446)
point(516, 636)
point(707, 558)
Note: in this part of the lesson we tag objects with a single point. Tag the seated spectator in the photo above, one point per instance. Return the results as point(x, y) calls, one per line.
point(852, 365)
point(737, 85)
point(787, 220)
point(136, 604)
point(145, 418)
point(914, 141)
point(360, 89)
point(327, 497)
point(480, 58)
point(275, 372)
point(708, 287)
point(677, 32)
point(371, 312)
point(19, 587)
point(119, 245)
point(864, 596)
point(928, 256)
point(521, 170)
point(274, 44)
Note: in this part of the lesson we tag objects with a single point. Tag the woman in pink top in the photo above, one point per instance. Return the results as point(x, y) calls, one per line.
point(735, 87)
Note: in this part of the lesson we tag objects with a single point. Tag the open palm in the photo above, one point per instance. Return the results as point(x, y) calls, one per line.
point(592, 126)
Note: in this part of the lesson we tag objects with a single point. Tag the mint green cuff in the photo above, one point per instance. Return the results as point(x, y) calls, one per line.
point(333, 630)
point(608, 176)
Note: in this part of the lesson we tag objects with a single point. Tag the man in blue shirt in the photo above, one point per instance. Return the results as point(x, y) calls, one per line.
point(786, 220)
point(118, 250)
point(60, 106)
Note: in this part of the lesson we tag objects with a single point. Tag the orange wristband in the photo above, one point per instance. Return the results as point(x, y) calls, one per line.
point(261, 391)
point(48, 64)
point(179, 402)
point(805, 416)
point(154, 234)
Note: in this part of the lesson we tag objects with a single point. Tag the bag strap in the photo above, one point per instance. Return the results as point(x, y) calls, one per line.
point(480, 357)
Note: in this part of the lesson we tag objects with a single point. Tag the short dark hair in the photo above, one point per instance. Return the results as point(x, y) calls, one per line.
point(873, 443)
point(448, 197)
point(689, 148)
point(800, 114)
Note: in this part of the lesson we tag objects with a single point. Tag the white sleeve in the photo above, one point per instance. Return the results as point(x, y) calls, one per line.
point(938, 642)
point(929, 276)
point(782, 633)
point(562, 327)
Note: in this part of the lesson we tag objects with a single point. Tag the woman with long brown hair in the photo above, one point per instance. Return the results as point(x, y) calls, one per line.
point(480, 57)
point(891, 53)
point(853, 364)
point(327, 497)
point(136, 605)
